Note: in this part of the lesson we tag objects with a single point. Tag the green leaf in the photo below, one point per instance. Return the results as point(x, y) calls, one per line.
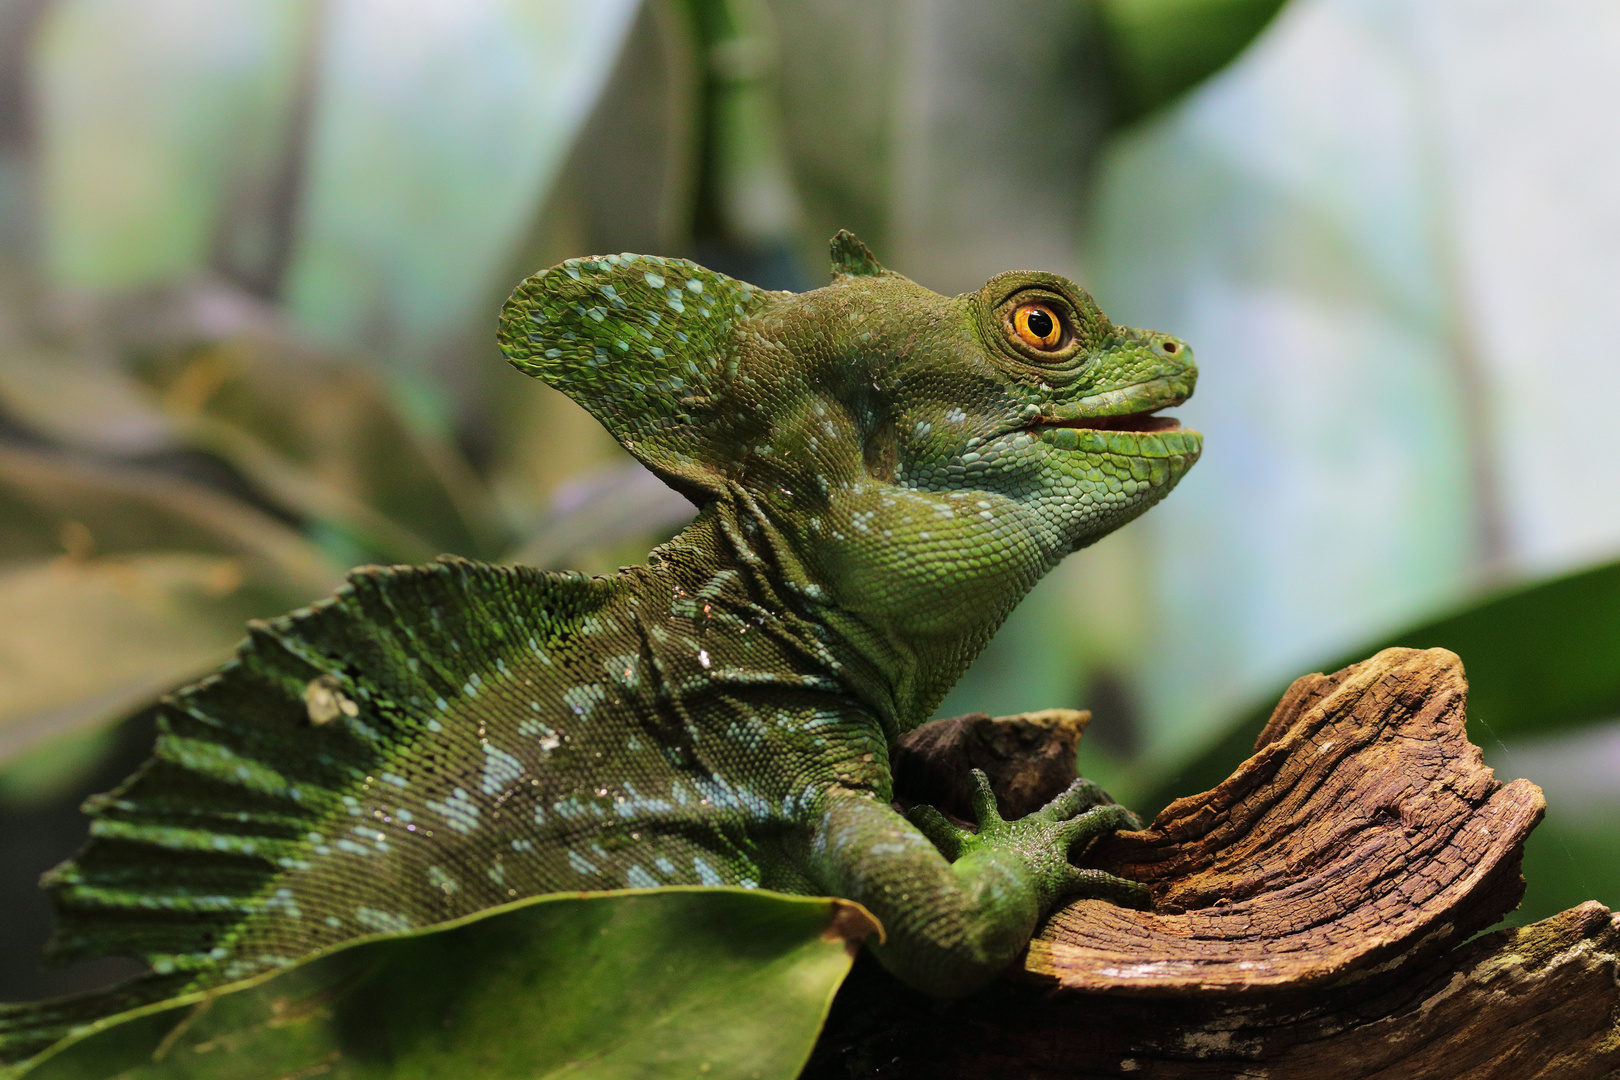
point(1540, 658)
point(1569, 859)
point(666, 982)
point(1160, 48)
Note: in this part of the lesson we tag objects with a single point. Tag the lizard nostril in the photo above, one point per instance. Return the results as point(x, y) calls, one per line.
point(1171, 347)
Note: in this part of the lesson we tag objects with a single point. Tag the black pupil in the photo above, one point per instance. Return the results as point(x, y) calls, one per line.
point(1040, 323)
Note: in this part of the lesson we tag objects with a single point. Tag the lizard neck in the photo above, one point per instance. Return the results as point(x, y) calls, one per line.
point(738, 566)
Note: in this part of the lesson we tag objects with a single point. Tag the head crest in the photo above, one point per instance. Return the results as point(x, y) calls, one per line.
point(645, 344)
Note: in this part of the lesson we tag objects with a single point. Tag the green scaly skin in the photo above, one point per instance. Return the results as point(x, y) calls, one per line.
point(883, 472)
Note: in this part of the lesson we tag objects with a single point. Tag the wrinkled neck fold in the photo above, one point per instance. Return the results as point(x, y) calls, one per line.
point(774, 587)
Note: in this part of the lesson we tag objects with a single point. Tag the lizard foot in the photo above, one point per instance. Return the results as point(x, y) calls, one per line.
point(1043, 840)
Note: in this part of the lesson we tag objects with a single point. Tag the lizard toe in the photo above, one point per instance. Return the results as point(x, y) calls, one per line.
point(1078, 797)
point(939, 830)
point(985, 811)
point(1099, 885)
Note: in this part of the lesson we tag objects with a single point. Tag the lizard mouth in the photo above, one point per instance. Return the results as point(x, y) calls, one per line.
point(1138, 421)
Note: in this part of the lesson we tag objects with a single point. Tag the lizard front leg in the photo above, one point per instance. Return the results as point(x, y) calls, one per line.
point(957, 907)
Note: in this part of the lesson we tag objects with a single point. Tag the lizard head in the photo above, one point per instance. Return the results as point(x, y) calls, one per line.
point(933, 456)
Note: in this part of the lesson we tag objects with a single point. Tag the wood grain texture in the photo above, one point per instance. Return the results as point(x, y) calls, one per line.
point(1364, 826)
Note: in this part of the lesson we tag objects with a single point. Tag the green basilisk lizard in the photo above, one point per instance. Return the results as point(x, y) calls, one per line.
point(882, 473)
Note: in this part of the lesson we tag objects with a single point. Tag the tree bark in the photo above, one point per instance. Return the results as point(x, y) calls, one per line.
point(1311, 915)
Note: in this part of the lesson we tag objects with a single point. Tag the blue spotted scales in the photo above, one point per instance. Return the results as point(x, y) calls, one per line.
point(882, 473)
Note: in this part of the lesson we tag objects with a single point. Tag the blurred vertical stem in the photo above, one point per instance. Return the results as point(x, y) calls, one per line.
point(747, 211)
point(1461, 341)
point(256, 248)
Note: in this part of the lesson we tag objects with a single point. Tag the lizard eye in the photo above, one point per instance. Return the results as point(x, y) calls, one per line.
point(1037, 326)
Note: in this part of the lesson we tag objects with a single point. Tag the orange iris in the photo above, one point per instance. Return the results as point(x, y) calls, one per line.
point(1037, 326)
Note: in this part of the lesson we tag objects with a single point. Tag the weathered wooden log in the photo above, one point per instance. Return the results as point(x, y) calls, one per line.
point(1311, 917)
point(1028, 757)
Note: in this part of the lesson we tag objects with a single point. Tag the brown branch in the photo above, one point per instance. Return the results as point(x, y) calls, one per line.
point(1311, 916)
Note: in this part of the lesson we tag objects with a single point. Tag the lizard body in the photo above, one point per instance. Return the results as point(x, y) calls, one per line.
point(882, 474)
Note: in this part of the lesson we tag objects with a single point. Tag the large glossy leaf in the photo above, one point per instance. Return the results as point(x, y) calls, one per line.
point(1540, 658)
point(664, 983)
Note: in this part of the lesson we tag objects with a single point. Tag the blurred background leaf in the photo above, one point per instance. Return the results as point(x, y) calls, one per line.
point(719, 983)
point(118, 584)
point(1159, 49)
point(1541, 659)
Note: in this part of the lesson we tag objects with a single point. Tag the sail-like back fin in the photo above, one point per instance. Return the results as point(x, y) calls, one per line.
point(274, 767)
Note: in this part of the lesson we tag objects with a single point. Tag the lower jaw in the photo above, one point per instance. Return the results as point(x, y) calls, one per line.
point(1174, 442)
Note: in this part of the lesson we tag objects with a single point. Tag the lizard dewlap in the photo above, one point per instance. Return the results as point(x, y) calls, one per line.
point(882, 473)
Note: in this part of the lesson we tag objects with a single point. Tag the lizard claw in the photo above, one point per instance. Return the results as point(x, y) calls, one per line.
point(952, 841)
point(1075, 819)
point(1079, 796)
point(1100, 885)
